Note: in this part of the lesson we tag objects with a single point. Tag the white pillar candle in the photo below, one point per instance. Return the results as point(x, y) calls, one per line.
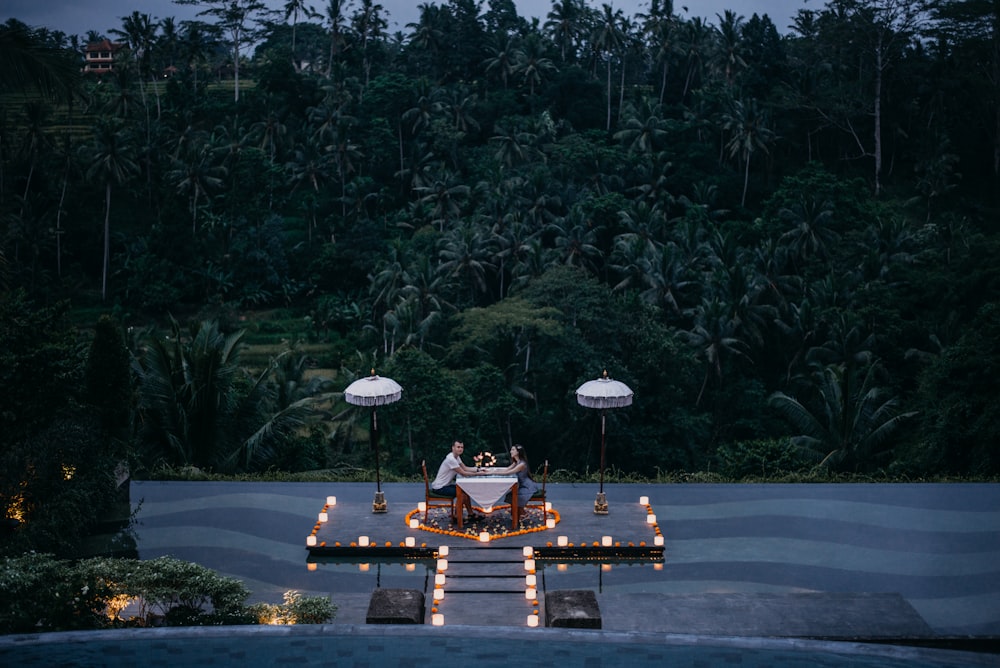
point(438, 594)
point(650, 519)
point(363, 541)
point(414, 523)
point(422, 506)
point(484, 536)
point(532, 620)
point(529, 564)
point(437, 619)
point(310, 541)
point(439, 579)
point(643, 500)
point(530, 580)
point(442, 565)
point(658, 541)
point(550, 523)
point(562, 541)
point(606, 541)
point(410, 541)
point(331, 500)
point(443, 551)
point(323, 517)
point(530, 593)
point(527, 551)
point(548, 506)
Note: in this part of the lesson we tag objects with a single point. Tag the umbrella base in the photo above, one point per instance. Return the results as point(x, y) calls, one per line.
point(601, 504)
point(379, 505)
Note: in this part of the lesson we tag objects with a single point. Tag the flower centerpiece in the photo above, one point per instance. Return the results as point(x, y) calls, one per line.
point(484, 460)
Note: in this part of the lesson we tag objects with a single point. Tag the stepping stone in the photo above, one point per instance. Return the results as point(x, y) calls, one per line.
point(396, 606)
point(572, 609)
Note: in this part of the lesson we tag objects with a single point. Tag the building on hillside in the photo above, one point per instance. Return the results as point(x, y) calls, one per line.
point(99, 57)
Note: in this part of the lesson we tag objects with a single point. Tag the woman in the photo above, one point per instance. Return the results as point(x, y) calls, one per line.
point(519, 466)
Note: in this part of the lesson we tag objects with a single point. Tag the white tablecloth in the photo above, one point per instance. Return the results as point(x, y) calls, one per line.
point(486, 491)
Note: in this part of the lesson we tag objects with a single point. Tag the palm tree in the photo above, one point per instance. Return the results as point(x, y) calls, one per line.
point(749, 132)
point(812, 233)
point(660, 25)
point(714, 335)
point(532, 66)
point(111, 162)
point(504, 61)
point(849, 422)
point(369, 24)
point(337, 22)
point(292, 9)
point(576, 241)
point(194, 174)
point(31, 64)
point(138, 31)
point(428, 34)
point(694, 44)
point(643, 130)
point(515, 147)
point(420, 116)
point(34, 140)
point(199, 408)
point(730, 43)
point(609, 37)
point(464, 253)
point(424, 291)
point(667, 276)
point(460, 105)
point(196, 44)
point(446, 199)
point(563, 24)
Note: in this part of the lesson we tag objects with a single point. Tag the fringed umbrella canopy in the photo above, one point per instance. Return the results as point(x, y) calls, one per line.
point(373, 391)
point(604, 393)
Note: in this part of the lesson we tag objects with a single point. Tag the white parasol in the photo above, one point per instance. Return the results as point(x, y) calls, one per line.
point(374, 391)
point(603, 393)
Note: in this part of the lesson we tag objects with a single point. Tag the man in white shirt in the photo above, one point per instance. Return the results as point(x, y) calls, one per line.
point(451, 467)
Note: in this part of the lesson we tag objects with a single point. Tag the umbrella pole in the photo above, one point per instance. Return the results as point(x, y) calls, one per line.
point(603, 431)
point(601, 503)
point(378, 504)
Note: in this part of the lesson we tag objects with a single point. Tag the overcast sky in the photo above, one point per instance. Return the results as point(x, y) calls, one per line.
point(76, 17)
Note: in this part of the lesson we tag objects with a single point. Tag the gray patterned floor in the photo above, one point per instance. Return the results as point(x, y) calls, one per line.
point(741, 561)
point(937, 545)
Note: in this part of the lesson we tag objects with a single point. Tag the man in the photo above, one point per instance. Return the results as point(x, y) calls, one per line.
point(451, 467)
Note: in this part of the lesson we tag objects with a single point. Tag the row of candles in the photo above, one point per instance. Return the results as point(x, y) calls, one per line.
point(484, 536)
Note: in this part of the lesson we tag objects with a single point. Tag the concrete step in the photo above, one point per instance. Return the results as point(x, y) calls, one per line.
point(487, 609)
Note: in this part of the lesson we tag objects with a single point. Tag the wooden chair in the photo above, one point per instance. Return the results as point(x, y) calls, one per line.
point(432, 499)
point(537, 499)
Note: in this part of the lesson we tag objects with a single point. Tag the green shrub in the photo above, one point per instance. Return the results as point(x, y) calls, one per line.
point(762, 458)
point(296, 609)
point(42, 593)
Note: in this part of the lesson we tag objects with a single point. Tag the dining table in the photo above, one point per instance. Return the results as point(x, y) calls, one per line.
point(486, 491)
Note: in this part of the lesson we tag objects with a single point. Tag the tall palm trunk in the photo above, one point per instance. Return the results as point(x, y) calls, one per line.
point(107, 241)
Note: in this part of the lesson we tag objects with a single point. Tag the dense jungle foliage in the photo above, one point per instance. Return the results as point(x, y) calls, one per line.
point(782, 241)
